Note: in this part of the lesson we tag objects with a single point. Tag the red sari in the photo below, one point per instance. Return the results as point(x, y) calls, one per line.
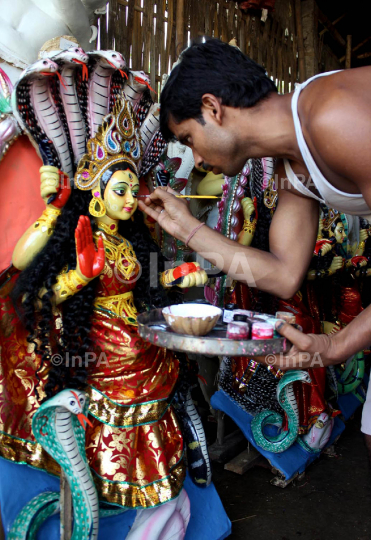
point(134, 446)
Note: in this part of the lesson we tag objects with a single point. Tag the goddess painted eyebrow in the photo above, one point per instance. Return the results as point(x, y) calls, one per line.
point(121, 182)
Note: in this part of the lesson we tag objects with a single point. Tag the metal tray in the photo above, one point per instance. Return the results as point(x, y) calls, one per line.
point(152, 327)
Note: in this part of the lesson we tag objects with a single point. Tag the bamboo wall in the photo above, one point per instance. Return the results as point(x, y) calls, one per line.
point(151, 33)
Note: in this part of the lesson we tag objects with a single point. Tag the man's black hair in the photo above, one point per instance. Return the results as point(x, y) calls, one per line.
point(216, 68)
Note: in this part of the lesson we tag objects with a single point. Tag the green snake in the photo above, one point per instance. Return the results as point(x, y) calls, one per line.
point(352, 375)
point(286, 398)
point(58, 425)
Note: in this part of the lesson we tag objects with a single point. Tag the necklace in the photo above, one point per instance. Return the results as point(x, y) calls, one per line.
point(109, 229)
point(119, 250)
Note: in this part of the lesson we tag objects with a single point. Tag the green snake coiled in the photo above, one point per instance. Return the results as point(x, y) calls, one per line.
point(286, 398)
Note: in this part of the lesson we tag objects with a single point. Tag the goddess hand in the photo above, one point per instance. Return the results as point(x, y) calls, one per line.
point(53, 181)
point(248, 208)
point(363, 235)
point(90, 262)
point(336, 265)
point(184, 276)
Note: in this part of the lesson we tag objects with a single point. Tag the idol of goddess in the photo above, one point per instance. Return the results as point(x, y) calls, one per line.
point(84, 271)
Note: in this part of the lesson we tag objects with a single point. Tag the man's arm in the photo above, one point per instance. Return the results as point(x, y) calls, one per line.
point(292, 238)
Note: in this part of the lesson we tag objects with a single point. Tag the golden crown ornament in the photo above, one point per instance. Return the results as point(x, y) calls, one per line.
point(332, 216)
point(116, 141)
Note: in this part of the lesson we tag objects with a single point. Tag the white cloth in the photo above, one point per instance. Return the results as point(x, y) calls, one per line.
point(366, 413)
point(348, 203)
point(168, 521)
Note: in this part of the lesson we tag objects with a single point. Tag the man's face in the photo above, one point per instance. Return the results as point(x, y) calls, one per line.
point(214, 145)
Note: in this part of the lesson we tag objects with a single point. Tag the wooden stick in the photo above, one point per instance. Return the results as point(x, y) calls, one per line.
point(66, 509)
point(179, 26)
point(348, 52)
point(356, 48)
point(330, 27)
point(333, 24)
point(364, 55)
point(299, 32)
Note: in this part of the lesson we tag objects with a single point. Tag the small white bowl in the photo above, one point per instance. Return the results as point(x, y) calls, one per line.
point(192, 319)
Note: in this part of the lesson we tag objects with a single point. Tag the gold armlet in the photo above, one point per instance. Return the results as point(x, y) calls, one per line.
point(362, 246)
point(249, 226)
point(69, 284)
point(47, 220)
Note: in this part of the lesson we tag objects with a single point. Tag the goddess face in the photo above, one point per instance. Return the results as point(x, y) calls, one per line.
point(120, 195)
point(339, 233)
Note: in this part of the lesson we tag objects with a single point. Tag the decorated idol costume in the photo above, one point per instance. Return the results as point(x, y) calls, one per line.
point(81, 284)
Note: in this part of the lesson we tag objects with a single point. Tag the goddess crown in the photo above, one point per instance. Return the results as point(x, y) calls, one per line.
point(332, 216)
point(116, 141)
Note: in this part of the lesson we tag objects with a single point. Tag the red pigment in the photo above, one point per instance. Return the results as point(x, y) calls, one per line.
point(262, 331)
point(237, 330)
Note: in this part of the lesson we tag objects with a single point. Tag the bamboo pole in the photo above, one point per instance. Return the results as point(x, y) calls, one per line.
point(66, 509)
point(333, 24)
point(299, 33)
point(331, 28)
point(348, 52)
point(179, 27)
point(2, 535)
point(357, 47)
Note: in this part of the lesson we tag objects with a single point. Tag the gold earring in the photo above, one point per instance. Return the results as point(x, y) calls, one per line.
point(97, 207)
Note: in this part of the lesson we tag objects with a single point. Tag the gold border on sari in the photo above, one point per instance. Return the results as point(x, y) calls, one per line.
point(148, 496)
point(124, 416)
point(124, 494)
point(27, 452)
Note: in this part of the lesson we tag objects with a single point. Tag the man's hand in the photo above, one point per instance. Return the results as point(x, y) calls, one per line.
point(307, 351)
point(171, 213)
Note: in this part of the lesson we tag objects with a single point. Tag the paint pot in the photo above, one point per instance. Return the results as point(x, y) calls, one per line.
point(261, 330)
point(286, 316)
point(238, 330)
point(228, 312)
point(273, 321)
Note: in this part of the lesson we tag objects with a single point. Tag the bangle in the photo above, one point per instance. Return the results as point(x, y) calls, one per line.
point(47, 220)
point(193, 233)
point(69, 283)
point(362, 245)
point(249, 226)
point(166, 278)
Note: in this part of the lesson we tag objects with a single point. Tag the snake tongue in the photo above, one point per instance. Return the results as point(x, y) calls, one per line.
point(123, 74)
point(82, 418)
point(84, 68)
point(142, 81)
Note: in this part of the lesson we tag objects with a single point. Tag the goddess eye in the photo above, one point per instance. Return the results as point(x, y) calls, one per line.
point(135, 194)
point(119, 192)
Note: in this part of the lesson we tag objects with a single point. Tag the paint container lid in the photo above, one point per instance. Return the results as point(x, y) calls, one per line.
point(286, 316)
point(239, 317)
point(238, 330)
point(246, 312)
point(261, 330)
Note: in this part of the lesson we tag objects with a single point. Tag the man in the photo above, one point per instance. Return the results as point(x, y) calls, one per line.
point(223, 106)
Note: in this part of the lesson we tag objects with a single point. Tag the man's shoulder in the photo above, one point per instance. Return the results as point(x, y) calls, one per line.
point(329, 102)
point(335, 116)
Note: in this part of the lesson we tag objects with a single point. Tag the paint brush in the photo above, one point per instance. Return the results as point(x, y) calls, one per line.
point(190, 196)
